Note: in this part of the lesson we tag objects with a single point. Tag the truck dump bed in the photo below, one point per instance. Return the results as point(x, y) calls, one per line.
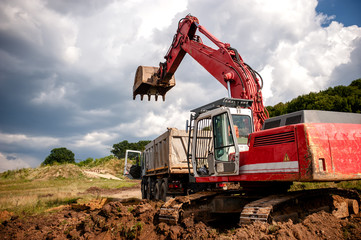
point(167, 153)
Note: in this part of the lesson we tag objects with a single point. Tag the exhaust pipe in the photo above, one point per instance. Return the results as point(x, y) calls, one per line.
point(147, 82)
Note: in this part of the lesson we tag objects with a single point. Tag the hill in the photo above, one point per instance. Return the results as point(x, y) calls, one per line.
point(33, 190)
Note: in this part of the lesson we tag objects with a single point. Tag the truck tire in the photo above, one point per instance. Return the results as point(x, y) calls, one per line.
point(143, 187)
point(149, 189)
point(157, 189)
point(163, 191)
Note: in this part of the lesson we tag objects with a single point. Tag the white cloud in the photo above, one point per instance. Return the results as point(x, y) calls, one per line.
point(157, 14)
point(93, 139)
point(12, 162)
point(307, 65)
point(153, 123)
point(22, 140)
point(72, 54)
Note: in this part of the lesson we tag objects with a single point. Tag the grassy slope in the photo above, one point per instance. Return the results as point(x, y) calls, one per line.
point(30, 191)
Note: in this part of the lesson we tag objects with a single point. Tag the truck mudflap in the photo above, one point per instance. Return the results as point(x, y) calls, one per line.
point(296, 205)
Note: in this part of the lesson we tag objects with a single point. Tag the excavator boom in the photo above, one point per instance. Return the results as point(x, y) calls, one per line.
point(159, 80)
point(224, 64)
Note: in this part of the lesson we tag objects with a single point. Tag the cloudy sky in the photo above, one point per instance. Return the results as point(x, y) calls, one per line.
point(67, 67)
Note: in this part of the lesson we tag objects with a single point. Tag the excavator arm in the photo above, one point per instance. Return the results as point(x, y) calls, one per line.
point(224, 64)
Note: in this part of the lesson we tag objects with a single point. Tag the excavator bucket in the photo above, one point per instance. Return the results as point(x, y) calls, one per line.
point(146, 82)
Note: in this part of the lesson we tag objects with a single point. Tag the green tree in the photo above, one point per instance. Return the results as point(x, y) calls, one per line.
point(59, 156)
point(119, 148)
point(276, 110)
point(338, 98)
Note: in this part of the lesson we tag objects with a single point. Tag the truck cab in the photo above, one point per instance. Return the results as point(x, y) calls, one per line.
point(220, 133)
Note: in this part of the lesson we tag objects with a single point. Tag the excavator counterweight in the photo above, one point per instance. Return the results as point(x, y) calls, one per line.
point(146, 82)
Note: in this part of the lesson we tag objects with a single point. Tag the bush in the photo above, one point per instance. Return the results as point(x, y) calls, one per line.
point(90, 162)
point(86, 162)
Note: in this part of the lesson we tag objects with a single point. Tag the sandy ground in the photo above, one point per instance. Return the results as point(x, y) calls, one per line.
point(123, 193)
point(93, 174)
point(129, 193)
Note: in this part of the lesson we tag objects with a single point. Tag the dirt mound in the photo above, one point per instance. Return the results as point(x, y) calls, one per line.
point(55, 171)
point(112, 166)
point(320, 225)
point(139, 220)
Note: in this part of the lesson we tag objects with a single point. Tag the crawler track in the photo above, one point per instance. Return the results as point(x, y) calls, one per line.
point(280, 207)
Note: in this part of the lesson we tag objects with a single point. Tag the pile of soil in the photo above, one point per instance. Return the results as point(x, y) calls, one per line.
point(115, 220)
point(138, 220)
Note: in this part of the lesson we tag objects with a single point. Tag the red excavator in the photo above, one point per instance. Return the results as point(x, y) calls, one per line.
point(233, 140)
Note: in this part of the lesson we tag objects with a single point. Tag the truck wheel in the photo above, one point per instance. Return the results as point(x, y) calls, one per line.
point(163, 192)
point(149, 189)
point(157, 190)
point(144, 188)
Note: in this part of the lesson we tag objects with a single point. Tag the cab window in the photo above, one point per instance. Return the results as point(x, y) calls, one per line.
point(242, 127)
point(223, 138)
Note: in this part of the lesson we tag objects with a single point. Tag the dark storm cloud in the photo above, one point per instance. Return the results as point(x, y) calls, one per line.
point(29, 52)
point(17, 93)
point(29, 46)
point(17, 47)
point(66, 77)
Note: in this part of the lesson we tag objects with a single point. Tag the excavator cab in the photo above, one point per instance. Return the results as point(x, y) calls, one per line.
point(147, 82)
point(220, 132)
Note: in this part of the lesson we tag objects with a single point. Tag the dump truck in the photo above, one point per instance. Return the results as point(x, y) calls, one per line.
point(165, 168)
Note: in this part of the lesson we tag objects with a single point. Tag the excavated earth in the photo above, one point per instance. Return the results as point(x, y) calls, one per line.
point(133, 218)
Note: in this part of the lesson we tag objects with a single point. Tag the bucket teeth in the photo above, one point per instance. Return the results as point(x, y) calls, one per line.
point(146, 82)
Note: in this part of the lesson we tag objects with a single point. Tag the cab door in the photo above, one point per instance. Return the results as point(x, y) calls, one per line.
point(215, 150)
